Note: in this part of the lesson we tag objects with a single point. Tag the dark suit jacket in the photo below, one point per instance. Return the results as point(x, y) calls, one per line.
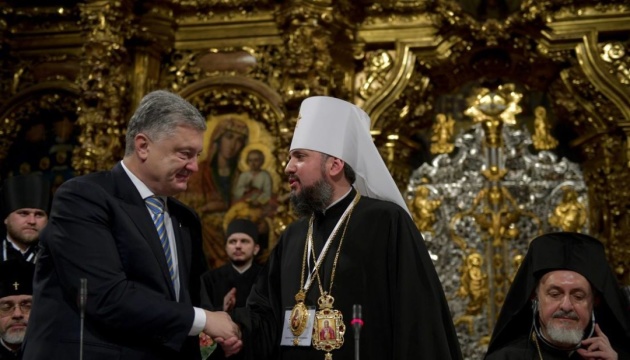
point(101, 230)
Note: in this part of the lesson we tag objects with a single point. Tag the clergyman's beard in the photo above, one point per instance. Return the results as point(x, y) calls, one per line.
point(238, 263)
point(312, 198)
point(560, 335)
point(14, 337)
point(26, 240)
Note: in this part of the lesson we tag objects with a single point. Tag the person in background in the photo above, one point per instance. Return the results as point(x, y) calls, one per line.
point(137, 249)
point(227, 287)
point(355, 243)
point(24, 208)
point(564, 303)
point(16, 299)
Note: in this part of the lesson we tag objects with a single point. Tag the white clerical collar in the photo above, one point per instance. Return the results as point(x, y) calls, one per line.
point(244, 269)
point(12, 242)
point(337, 201)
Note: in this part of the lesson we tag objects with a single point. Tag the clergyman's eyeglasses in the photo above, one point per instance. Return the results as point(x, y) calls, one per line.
point(7, 308)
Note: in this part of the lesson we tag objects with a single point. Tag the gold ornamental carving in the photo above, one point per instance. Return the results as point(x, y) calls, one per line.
point(397, 60)
point(423, 209)
point(29, 117)
point(609, 194)
point(493, 108)
point(542, 138)
point(615, 54)
point(569, 214)
point(104, 82)
point(473, 287)
point(376, 73)
point(441, 140)
point(498, 214)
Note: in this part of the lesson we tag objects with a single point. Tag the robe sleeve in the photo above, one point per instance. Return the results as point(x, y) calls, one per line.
point(422, 323)
point(259, 319)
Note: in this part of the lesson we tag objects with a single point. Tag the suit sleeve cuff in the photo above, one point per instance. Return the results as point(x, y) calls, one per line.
point(199, 322)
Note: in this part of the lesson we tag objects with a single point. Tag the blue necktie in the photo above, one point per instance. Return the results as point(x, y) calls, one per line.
point(157, 211)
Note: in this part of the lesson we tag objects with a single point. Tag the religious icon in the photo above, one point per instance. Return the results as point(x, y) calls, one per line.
point(295, 320)
point(254, 184)
point(326, 332)
point(328, 329)
point(298, 319)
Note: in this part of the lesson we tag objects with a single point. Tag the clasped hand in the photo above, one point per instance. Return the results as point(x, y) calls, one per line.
point(221, 328)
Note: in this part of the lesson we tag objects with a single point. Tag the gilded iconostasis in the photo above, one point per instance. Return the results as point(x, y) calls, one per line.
point(499, 119)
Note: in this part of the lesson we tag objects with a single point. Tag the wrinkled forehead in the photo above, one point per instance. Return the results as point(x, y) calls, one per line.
point(565, 279)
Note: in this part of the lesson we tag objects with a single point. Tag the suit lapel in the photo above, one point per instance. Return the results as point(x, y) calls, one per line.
point(133, 204)
point(184, 251)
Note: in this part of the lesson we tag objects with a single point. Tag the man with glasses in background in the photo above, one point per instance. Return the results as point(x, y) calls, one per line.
point(16, 294)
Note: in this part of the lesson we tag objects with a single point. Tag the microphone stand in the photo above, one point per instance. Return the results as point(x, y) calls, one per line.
point(357, 324)
point(82, 301)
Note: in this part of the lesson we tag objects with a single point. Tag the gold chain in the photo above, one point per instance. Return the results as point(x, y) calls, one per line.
point(309, 234)
point(309, 238)
point(537, 346)
point(343, 235)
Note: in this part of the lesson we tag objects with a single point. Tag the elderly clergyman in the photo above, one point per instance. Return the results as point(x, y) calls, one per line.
point(16, 295)
point(564, 303)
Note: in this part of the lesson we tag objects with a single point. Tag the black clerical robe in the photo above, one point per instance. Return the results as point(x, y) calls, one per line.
point(383, 266)
point(9, 252)
point(569, 251)
point(525, 349)
point(217, 282)
point(6, 354)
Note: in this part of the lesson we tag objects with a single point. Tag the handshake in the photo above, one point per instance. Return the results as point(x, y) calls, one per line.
point(220, 327)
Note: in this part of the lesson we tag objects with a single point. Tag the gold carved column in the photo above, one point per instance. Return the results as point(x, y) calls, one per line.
point(318, 50)
point(594, 94)
point(104, 83)
point(154, 38)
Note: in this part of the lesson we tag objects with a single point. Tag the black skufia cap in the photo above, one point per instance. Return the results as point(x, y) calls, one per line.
point(242, 226)
point(25, 191)
point(16, 278)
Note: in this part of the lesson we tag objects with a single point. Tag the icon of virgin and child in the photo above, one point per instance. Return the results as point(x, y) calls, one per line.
point(236, 177)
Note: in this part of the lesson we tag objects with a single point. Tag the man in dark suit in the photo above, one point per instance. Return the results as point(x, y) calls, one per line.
point(137, 249)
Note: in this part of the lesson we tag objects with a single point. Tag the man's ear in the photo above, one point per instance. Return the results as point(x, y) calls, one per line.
point(534, 298)
point(256, 249)
point(336, 166)
point(141, 144)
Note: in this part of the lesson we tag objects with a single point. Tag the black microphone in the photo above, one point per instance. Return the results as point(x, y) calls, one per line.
point(82, 301)
point(357, 324)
